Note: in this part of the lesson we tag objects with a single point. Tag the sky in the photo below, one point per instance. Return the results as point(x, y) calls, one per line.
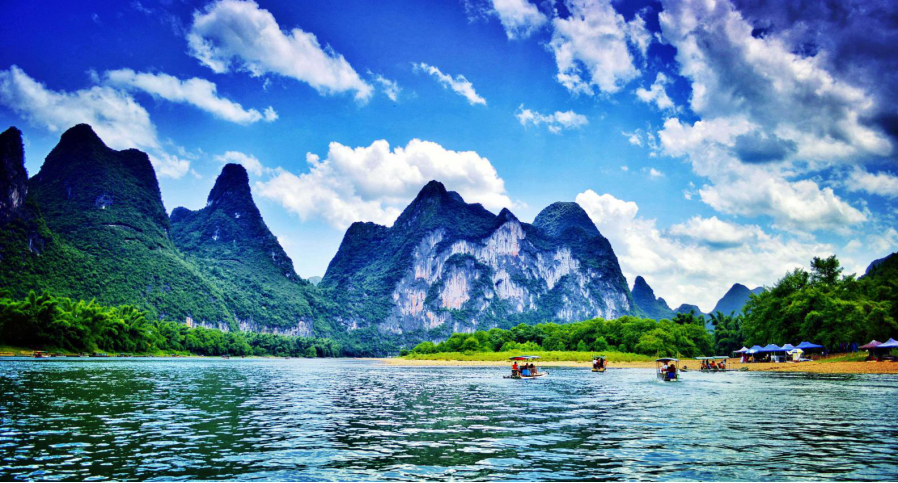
point(712, 142)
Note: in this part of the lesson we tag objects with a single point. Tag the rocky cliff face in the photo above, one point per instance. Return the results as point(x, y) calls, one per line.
point(647, 303)
point(13, 177)
point(448, 266)
point(230, 241)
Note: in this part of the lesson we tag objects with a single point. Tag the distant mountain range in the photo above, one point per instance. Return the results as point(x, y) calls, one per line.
point(91, 225)
point(656, 308)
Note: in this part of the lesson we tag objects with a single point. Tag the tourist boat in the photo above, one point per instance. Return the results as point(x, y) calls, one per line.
point(667, 376)
point(707, 360)
point(225, 357)
point(521, 373)
point(602, 367)
point(40, 355)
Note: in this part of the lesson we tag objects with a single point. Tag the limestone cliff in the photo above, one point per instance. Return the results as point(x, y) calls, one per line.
point(449, 266)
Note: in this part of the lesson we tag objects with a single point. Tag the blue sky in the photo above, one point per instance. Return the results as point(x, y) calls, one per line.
point(712, 144)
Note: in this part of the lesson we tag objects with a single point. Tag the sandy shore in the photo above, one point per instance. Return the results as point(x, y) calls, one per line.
point(814, 366)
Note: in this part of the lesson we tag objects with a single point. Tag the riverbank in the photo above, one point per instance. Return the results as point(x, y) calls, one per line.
point(823, 367)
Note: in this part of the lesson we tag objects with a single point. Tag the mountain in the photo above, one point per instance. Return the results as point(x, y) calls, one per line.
point(876, 263)
point(644, 297)
point(232, 245)
point(314, 280)
point(96, 228)
point(14, 179)
point(686, 308)
point(447, 266)
point(735, 298)
point(885, 268)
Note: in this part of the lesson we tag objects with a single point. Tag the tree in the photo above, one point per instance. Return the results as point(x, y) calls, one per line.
point(825, 270)
point(471, 344)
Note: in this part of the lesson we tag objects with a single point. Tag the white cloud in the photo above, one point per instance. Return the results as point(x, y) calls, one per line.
point(716, 232)
point(240, 33)
point(115, 116)
point(592, 47)
point(769, 119)
point(195, 91)
point(654, 173)
point(554, 122)
point(250, 162)
point(390, 88)
point(374, 183)
point(698, 260)
point(520, 18)
point(459, 84)
point(799, 206)
point(656, 93)
point(884, 184)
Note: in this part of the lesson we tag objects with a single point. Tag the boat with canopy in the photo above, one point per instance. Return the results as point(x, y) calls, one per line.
point(527, 370)
point(667, 370)
point(713, 363)
point(599, 364)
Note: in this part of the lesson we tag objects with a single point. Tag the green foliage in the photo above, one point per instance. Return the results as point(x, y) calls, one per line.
point(727, 333)
point(47, 321)
point(643, 336)
point(825, 307)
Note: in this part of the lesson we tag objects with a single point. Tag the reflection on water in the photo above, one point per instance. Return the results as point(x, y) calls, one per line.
point(353, 420)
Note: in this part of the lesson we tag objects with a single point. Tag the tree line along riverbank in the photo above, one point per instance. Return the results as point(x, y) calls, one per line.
point(65, 326)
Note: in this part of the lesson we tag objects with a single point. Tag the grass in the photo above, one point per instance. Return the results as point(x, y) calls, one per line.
point(857, 357)
point(573, 356)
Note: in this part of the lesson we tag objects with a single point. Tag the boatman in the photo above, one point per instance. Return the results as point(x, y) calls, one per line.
point(514, 368)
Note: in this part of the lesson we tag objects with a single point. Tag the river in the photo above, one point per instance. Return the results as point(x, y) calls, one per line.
point(275, 419)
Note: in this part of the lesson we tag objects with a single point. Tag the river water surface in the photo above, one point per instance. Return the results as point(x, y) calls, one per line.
point(268, 419)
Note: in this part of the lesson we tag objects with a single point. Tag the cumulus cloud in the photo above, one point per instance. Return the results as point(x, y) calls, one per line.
point(884, 184)
point(520, 18)
point(374, 183)
point(769, 118)
point(554, 122)
point(197, 92)
point(250, 162)
point(854, 40)
point(656, 94)
point(594, 47)
point(697, 260)
point(115, 116)
point(239, 34)
point(459, 83)
point(790, 100)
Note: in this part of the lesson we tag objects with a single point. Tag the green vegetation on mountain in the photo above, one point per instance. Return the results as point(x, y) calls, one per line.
point(735, 299)
point(684, 335)
point(826, 307)
point(373, 258)
point(94, 227)
point(375, 264)
point(230, 243)
point(61, 324)
point(646, 302)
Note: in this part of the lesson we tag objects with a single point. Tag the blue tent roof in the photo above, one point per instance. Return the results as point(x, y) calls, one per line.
point(788, 347)
point(808, 345)
point(771, 348)
point(754, 348)
point(889, 344)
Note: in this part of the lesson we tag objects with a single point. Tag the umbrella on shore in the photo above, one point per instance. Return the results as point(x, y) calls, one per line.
point(889, 344)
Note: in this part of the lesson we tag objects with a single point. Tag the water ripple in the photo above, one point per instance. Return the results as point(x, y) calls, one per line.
point(213, 419)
